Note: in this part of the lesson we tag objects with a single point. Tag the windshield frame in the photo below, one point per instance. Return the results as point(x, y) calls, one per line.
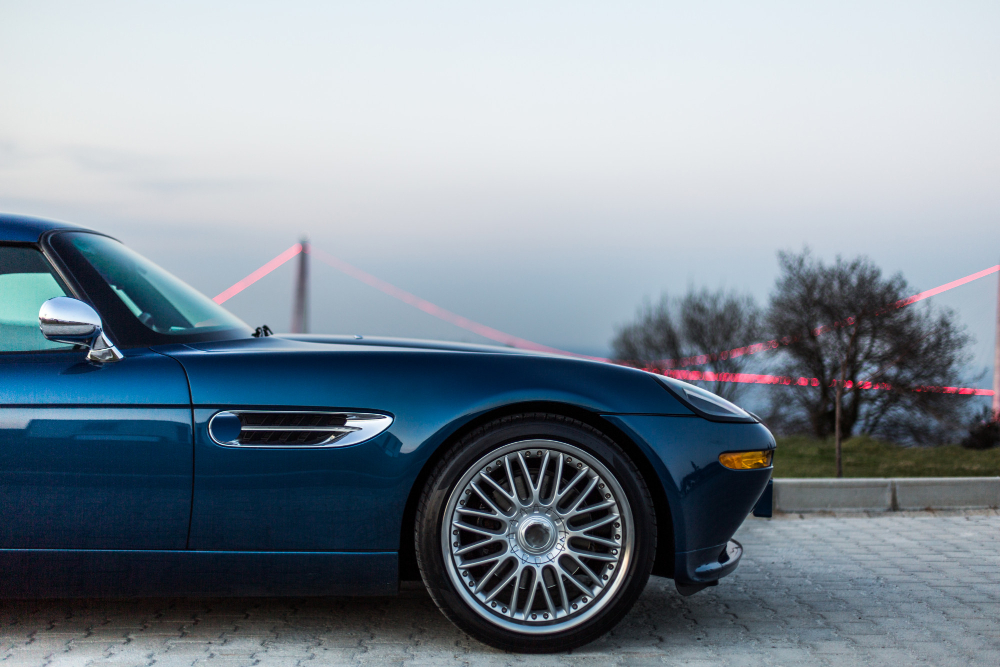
point(121, 325)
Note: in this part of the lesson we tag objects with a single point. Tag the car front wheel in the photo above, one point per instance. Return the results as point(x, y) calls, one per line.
point(535, 533)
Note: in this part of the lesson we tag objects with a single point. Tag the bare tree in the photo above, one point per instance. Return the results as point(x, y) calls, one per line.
point(653, 337)
point(874, 360)
point(695, 331)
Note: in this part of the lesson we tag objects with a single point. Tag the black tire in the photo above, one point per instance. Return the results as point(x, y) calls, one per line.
point(504, 438)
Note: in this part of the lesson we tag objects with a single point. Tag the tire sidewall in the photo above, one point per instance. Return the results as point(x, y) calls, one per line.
point(471, 449)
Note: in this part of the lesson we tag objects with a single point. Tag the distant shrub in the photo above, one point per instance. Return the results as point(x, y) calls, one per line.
point(984, 433)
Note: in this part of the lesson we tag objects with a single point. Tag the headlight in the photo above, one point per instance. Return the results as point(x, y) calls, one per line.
point(705, 403)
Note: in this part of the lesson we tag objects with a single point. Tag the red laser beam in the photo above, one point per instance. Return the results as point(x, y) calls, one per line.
point(435, 310)
point(754, 378)
point(947, 286)
point(524, 344)
point(258, 274)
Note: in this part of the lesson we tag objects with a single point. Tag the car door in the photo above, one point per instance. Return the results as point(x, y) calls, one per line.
point(275, 492)
point(92, 456)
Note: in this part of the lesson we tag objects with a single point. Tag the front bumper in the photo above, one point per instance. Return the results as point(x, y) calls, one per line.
point(707, 502)
point(694, 570)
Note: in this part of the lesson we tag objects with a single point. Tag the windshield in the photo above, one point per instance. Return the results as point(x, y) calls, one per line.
point(159, 300)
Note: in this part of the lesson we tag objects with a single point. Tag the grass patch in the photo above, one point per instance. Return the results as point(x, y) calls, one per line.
point(800, 456)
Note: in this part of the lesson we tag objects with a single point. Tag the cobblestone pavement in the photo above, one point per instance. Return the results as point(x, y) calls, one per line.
point(915, 588)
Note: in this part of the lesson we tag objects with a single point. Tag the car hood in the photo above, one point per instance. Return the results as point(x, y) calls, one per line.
point(394, 375)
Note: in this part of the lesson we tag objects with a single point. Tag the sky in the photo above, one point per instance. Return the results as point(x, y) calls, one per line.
point(542, 168)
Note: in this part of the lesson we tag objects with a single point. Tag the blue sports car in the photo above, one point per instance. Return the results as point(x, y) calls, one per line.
point(151, 443)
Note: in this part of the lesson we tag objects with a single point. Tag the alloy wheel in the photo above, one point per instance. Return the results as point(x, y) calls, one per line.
point(537, 535)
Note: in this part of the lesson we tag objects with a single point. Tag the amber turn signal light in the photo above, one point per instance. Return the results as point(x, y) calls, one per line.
point(746, 460)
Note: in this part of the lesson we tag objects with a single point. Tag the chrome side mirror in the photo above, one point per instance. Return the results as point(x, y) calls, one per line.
point(67, 320)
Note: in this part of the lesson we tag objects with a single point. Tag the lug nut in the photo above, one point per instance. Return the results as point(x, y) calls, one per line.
point(534, 616)
point(545, 615)
point(574, 605)
point(579, 465)
point(503, 609)
point(618, 537)
point(607, 495)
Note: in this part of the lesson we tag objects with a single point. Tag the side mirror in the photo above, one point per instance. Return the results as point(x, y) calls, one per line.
point(67, 320)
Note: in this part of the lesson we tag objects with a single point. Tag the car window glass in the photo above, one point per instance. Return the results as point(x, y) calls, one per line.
point(162, 302)
point(26, 282)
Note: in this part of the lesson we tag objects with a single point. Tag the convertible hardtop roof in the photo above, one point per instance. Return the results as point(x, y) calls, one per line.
point(25, 229)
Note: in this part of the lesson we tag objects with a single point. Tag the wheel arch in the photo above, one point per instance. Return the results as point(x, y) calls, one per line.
point(664, 563)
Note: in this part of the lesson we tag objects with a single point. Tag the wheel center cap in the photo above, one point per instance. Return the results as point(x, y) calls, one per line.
point(536, 534)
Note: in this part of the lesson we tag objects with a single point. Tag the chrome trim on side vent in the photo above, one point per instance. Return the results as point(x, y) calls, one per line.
point(294, 429)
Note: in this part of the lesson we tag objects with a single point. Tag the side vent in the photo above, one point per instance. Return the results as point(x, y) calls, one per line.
point(273, 429)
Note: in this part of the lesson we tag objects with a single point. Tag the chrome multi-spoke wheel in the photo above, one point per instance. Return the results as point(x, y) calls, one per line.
point(537, 534)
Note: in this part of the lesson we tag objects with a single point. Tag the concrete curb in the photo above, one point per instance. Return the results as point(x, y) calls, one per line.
point(886, 495)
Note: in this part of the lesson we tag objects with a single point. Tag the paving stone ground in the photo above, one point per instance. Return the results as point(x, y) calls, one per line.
point(902, 589)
